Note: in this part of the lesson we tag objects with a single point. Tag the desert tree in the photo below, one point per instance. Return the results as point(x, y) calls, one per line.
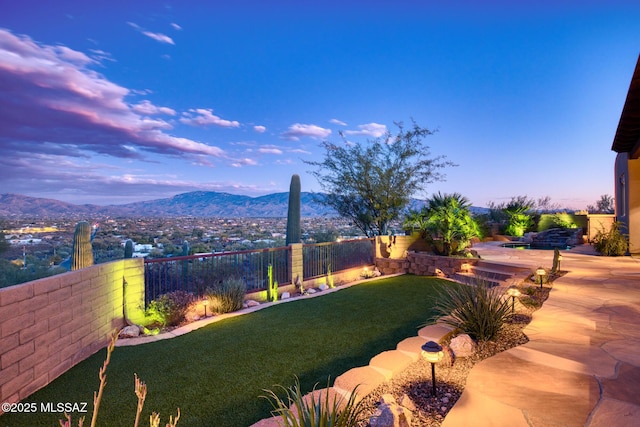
point(604, 205)
point(372, 183)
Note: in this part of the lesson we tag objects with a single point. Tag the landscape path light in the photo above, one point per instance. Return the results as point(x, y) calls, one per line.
point(432, 353)
point(541, 272)
point(205, 303)
point(559, 260)
point(513, 292)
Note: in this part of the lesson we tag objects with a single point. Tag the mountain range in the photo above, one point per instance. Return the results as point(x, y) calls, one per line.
point(196, 204)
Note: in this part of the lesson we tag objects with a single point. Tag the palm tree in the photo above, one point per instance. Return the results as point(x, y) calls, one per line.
point(449, 220)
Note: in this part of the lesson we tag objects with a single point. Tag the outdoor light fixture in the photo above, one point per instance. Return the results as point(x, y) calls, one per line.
point(559, 259)
point(513, 292)
point(540, 272)
point(205, 303)
point(432, 353)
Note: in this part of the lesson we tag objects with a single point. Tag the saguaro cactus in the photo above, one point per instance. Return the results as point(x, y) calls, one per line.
point(128, 249)
point(82, 254)
point(293, 214)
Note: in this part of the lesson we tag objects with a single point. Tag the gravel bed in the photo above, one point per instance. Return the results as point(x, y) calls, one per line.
point(451, 374)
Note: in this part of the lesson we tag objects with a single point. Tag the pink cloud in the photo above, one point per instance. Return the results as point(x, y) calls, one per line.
point(204, 117)
point(52, 101)
point(298, 130)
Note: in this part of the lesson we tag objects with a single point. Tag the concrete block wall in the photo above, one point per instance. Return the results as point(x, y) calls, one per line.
point(396, 247)
point(49, 325)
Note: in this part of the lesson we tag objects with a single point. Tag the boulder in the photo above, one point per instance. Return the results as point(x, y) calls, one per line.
point(391, 415)
point(323, 287)
point(130, 331)
point(251, 303)
point(463, 346)
point(311, 291)
point(285, 295)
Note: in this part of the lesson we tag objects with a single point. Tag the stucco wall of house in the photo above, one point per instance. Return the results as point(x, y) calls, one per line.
point(49, 325)
point(627, 176)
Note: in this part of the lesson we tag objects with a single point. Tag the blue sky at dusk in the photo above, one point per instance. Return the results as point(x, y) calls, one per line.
point(110, 102)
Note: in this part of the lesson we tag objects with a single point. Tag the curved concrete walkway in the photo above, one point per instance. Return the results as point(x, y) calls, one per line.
point(581, 366)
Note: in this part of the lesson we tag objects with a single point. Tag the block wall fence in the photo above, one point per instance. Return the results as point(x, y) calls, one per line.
point(49, 325)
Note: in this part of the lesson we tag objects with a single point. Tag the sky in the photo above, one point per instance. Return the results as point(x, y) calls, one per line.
point(111, 102)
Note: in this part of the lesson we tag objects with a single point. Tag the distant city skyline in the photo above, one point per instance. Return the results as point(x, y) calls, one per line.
point(116, 102)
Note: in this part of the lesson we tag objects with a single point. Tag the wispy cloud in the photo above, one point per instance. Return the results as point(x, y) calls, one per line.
point(269, 150)
point(159, 37)
point(298, 130)
point(176, 26)
point(370, 129)
point(260, 129)
point(53, 102)
point(244, 162)
point(205, 117)
point(299, 151)
point(337, 122)
point(146, 107)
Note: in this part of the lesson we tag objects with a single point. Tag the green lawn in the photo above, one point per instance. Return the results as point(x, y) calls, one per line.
point(217, 373)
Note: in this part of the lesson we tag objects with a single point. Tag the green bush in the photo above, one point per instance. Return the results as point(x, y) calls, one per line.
point(227, 296)
point(478, 310)
point(318, 410)
point(169, 309)
point(612, 242)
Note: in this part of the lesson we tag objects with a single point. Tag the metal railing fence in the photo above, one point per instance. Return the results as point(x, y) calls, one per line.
point(319, 258)
point(196, 273)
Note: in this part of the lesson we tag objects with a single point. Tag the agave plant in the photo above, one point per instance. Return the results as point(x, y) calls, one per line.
point(477, 310)
point(318, 410)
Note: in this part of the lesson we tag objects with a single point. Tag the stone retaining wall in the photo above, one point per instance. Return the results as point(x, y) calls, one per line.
point(49, 325)
point(424, 264)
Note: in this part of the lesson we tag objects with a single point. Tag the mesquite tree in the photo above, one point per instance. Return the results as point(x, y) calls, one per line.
point(372, 183)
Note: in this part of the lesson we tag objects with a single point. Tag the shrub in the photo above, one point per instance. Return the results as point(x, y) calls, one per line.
point(478, 310)
point(318, 410)
point(169, 309)
point(612, 242)
point(227, 296)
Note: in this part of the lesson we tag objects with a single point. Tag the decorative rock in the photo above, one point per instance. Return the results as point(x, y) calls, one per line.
point(323, 287)
point(391, 415)
point(463, 346)
point(130, 331)
point(285, 295)
point(311, 291)
point(405, 401)
point(387, 399)
point(251, 303)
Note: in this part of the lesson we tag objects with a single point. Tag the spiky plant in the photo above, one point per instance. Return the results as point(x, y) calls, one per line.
point(478, 310)
point(227, 296)
point(318, 410)
point(82, 253)
point(293, 213)
point(272, 285)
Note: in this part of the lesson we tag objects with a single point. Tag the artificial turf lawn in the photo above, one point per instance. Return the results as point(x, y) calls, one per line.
point(216, 374)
